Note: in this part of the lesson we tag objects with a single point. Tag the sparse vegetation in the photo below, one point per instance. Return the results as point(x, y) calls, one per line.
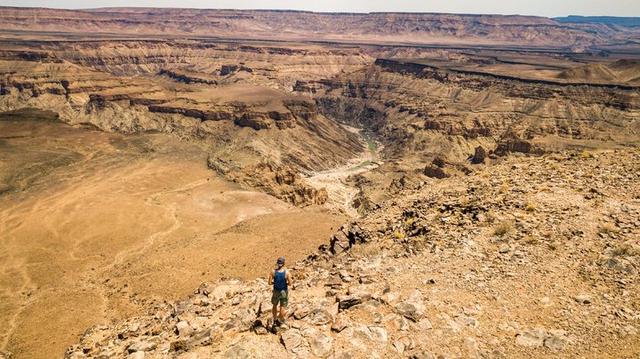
point(491, 216)
point(530, 206)
point(501, 219)
point(626, 249)
point(399, 235)
point(608, 228)
point(366, 250)
point(586, 154)
point(361, 165)
point(372, 145)
point(503, 228)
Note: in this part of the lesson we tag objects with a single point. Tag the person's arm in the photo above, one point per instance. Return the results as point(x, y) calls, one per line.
point(288, 278)
point(271, 278)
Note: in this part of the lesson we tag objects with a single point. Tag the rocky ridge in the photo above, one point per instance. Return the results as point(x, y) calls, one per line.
point(529, 257)
point(273, 24)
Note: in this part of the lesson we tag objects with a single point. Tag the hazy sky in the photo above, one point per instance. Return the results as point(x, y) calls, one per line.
point(524, 7)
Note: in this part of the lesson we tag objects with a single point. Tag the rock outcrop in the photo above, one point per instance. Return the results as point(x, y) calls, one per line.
point(277, 180)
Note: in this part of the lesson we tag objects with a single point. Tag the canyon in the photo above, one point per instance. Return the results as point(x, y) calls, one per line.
point(488, 162)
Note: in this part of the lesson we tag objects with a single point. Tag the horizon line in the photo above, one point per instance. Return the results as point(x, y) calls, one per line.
point(309, 11)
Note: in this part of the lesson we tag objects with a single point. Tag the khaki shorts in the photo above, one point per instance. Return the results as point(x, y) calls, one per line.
point(280, 296)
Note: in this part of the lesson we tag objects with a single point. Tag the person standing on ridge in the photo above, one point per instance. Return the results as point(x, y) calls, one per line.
point(281, 280)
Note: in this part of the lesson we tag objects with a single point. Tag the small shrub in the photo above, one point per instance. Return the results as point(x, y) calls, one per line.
point(586, 154)
point(626, 249)
point(366, 250)
point(490, 216)
point(503, 228)
point(530, 240)
point(608, 228)
point(530, 206)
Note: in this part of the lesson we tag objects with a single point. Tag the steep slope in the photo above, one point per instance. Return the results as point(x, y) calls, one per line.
point(531, 257)
point(621, 71)
point(232, 98)
point(96, 224)
point(420, 111)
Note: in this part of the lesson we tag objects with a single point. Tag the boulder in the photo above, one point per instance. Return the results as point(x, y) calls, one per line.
point(321, 345)
point(479, 155)
point(409, 311)
point(379, 334)
point(339, 324)
point(583, 298)
point(294, 342)
point(183, 328)
point(556, 340)
point(533, 338)
point(434, 171)
point(348, 301)
point(301, 311)
point(136, 355)
point(319, 316)
point(347, 236)
point(142, 346)
point(413, 308)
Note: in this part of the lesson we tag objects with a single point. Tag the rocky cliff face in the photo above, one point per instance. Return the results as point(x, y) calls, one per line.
point(420, 109)
point(420, 28)
point(264, 104)
point(243, 113)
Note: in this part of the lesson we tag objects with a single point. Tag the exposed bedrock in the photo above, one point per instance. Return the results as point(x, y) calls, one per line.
point(353, 111)
point(246, 123)
point(277, 180)
point(288, 109)
point(418, 109)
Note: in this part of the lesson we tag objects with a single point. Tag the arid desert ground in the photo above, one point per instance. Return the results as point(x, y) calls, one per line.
point(442, 186)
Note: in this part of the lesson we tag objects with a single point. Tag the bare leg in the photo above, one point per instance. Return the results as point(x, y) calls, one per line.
point(274, 311)
point(283, 312)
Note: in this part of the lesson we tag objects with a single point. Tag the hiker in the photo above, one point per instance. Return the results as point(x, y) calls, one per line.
point(281, 280)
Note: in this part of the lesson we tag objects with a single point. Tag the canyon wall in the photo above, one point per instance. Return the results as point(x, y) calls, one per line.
point(371, 27)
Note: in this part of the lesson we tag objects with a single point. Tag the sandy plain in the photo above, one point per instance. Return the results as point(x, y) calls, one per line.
point(96, 225)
